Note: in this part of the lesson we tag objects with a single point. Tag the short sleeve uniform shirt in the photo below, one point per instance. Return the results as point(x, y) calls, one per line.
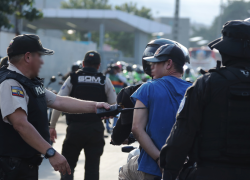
point(14, 96)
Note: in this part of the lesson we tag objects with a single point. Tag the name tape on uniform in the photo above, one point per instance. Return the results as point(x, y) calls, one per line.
point(17, 91)
point(89, 79)
point(39, 90)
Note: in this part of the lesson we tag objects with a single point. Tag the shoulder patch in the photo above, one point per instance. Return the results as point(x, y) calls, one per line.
point(17, 91)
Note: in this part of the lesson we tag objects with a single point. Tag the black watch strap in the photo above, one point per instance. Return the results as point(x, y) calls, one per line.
point(50, 153)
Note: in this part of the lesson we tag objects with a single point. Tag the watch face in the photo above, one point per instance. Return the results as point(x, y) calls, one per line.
point(51, 152)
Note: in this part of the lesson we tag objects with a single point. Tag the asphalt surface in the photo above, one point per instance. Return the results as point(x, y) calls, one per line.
point(111, 159)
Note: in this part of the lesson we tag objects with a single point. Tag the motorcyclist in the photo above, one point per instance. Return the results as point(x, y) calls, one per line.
point(124, 124)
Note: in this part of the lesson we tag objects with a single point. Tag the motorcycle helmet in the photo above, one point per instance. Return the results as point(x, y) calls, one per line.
point(153, 45)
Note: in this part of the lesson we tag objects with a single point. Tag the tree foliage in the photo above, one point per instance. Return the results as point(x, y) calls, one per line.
point(86, 4)
point(123, 41)
point(234, 10)
point(132, 8)
point(22, 9)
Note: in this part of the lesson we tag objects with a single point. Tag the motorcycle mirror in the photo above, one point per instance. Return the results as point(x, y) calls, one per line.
point(53, 79)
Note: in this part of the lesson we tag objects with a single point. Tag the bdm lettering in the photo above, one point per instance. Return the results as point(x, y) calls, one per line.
point(89, 79)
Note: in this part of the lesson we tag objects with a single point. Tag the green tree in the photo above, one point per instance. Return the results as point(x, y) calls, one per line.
point(86, 4)
point(132, 8)
point(123, 41)
point(22, 9)
point(234, 10)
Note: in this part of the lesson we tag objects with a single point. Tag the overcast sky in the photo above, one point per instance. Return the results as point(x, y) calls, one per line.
point(199, 11)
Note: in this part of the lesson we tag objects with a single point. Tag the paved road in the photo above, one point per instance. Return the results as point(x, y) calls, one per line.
point(111, 159)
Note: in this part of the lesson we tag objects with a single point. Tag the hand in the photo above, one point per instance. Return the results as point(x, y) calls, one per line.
point(59, 163)
point(158, 162)
point(102, 105)
point(53, 134)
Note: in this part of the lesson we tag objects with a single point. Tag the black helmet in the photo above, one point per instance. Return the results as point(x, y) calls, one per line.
point(153, 45)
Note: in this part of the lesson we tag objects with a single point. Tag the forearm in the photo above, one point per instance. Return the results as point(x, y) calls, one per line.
point(74, 106)
point(146, 143)
point(30, 135)
point(54, 118)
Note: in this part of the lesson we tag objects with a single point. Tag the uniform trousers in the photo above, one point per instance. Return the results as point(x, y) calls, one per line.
point(17, 169)
point(88, 136)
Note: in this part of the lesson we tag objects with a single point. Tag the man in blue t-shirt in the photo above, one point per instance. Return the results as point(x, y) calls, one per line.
point(162, 97)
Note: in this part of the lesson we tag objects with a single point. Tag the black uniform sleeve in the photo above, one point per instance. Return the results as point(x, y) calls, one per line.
point(181, 139)
point(121, 132)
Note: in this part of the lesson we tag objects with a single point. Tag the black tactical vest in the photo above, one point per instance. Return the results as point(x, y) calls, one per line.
point(88, 86)
point(225, 129)
point(11, 143)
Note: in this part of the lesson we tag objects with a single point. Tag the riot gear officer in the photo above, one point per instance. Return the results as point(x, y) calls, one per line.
point(85, 131)
point(212, 126)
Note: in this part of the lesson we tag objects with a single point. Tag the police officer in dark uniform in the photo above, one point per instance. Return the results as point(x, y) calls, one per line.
point(85, 131)
point(24, 130)
point(213, 122)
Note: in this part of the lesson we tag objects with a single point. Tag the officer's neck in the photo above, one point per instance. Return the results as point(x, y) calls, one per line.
point(25, 70)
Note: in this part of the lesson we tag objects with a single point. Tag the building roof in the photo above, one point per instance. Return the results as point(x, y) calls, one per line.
point(90, 19)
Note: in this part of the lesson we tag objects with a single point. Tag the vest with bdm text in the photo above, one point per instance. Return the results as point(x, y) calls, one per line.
point(90, 86)
point(11, 143)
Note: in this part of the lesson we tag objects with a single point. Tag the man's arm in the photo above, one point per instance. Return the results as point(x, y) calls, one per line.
point(30, 135)
point(140, 120)
point(110, 92)
point(64, 91)
point(74, 106)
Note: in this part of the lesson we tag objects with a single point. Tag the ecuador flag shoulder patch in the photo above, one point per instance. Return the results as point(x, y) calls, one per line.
point(17, 91)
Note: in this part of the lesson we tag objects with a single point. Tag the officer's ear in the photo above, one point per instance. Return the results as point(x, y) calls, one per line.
point(27, 56)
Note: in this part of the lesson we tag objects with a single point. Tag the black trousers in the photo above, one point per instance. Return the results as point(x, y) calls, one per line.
point(89, 137)
point(219, 173)
point(16, 169)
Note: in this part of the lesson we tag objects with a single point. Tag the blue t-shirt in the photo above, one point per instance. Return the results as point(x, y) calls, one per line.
point(162, 97)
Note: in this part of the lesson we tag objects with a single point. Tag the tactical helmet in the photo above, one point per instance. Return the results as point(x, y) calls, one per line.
point(153, 45)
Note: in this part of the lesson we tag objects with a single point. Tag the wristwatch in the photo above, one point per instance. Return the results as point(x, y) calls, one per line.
point(50, 153)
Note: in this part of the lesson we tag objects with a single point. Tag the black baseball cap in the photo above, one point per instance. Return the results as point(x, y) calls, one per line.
point(166, 52)
point(27, 43)
point(92, 57)
point(235, 40)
